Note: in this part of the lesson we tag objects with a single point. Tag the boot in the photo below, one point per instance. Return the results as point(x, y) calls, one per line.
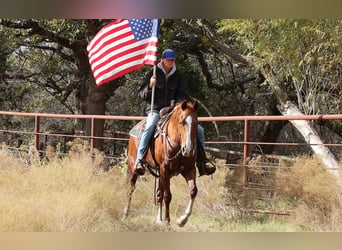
point(205, 167)
point(139, 168)
point(209, 168)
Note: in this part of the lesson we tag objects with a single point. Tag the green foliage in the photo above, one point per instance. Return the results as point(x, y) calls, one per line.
point(49, 71)
point(304, 53)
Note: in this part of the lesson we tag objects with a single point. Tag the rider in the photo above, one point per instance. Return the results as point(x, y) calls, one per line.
point(170, 87)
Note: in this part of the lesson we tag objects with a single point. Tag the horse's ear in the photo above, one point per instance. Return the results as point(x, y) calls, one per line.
point(184, 105)
point(196, 105)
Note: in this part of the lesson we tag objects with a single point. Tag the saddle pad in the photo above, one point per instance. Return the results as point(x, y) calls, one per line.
point(138, 128)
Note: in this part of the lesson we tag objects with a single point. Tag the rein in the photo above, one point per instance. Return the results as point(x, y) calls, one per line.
point(162, 129)
point(173, 144)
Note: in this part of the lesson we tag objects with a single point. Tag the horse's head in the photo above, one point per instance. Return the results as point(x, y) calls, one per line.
point(186, 113)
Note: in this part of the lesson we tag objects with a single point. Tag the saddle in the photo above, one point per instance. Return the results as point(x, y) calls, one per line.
point(137, 130)
point(164, 115)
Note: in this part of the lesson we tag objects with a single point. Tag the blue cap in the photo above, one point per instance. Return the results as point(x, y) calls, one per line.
point(169, 54)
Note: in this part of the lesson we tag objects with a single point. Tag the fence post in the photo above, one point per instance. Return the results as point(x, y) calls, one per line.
point(245, 151)
point(36, 131)
point(92, 132)
point(246, 140)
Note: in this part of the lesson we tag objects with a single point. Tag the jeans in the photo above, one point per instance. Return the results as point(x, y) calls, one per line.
point(151, 121)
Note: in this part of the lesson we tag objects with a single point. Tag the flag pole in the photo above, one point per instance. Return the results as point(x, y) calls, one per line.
point(154, 69)
point(152, 96)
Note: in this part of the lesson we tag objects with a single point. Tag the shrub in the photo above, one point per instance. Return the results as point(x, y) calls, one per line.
point(313, 193)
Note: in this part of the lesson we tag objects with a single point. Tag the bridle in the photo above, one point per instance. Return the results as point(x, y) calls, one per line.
point(171, 143)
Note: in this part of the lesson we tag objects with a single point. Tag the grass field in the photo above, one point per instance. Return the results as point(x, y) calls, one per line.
point(74, 194)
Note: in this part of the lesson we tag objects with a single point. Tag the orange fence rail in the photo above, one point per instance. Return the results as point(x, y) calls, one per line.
point(246, 119)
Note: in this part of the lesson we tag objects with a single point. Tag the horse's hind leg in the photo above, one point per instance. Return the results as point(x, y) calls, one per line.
point(132, 179)
point(191, 180)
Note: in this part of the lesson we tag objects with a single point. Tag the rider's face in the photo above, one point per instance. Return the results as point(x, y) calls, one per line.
point(168, 64)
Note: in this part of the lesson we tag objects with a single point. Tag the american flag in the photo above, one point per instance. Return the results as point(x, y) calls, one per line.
point(122, 46)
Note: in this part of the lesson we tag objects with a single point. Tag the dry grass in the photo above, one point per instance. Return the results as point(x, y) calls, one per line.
point(70, 194)
point(74, 194)
point(314, 194)
point(302, 187)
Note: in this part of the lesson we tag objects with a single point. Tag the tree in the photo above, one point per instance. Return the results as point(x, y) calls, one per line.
point(233, 84)
point(53, 55)
point(300, 57)
point(222, 59)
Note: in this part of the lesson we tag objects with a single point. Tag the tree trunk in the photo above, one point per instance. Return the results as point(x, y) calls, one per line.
point(272, 129)
point(311, 137)
point(96, 105)
point(309, 133)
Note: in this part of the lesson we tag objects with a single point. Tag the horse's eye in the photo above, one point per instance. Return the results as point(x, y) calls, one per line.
point(181, 123)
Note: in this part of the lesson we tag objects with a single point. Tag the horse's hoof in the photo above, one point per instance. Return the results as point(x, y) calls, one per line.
point(182, 221)
point(125, 215)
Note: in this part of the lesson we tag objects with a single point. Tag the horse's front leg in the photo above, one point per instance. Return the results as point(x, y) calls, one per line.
point(167, 200)
point(191, 180)
point(159, 201)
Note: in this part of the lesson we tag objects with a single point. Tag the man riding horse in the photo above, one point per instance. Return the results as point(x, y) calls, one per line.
point(170, 88)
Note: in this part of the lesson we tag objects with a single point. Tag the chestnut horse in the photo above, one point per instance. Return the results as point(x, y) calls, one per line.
point(175, 152)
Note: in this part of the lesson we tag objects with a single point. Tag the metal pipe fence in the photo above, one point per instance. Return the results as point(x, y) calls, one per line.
point(257, 182)
point(246, 143)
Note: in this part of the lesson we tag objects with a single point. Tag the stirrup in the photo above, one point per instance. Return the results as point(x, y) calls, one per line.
point(206, 168)
point(209, 168)
point(139, 168)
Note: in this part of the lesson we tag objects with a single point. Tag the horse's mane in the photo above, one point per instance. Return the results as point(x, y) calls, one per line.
point(176, 113)
point(182, 106)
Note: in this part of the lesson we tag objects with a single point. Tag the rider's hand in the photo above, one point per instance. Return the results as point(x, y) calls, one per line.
point(153, 81)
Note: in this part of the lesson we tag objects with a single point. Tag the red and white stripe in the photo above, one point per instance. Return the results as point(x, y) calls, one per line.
point(114, 52)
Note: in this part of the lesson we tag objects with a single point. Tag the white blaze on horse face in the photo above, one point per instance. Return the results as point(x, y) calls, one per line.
point(188, 146)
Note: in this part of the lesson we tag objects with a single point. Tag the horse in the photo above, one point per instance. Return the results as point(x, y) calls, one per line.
point(173, 152)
